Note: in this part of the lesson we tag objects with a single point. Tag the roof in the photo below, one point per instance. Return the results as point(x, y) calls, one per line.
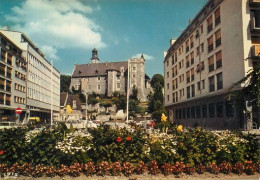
point(63, 97)
point(98, 69)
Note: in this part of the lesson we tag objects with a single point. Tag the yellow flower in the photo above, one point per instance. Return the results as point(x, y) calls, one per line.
point(163, 118)
point(68, 109)
point(179, 128)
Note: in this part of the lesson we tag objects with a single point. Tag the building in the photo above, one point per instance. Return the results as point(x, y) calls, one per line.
point(109, 77)
point(12, 80)
point(42, 79)
point(74, 103)
point(207, 59)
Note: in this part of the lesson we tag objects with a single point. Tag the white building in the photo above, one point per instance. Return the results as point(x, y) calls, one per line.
point(12, 80)
point(43, 80)
point(206, 59)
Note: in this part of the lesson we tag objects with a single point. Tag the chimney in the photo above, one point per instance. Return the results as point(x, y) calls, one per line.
point(6, 28)
point(172, 41)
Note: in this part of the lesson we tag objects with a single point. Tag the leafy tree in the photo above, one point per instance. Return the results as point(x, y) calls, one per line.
point(106, 103)
point(251, 86)
point(157, 79)
point(82, 98)
point(65, 83)
point(134, 93)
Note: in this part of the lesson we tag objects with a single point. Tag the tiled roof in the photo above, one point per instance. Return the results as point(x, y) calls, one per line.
point(72, 98)
point(97, 69)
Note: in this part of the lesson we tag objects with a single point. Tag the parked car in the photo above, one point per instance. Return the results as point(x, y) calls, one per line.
point(7, 125)
point(77, 124)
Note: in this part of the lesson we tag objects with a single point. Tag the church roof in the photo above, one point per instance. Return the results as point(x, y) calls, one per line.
point(98, 69)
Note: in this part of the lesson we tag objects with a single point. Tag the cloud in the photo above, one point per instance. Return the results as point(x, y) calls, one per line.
point(50, 52)
point(54, 25)
point(146, 56)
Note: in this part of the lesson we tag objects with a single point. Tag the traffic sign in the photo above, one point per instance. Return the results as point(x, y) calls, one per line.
point(18, 110)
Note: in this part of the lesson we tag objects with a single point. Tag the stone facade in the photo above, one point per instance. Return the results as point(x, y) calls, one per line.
point(109, 77)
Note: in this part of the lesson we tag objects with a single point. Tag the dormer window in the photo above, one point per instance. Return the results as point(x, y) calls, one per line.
point(96, 72)
point(80, 72)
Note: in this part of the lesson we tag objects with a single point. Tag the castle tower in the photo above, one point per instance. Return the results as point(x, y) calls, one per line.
point(94, 58)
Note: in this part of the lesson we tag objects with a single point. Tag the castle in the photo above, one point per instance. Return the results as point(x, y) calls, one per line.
point(109, 77)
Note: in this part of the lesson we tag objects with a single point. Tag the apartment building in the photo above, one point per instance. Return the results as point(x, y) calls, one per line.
point(42, 79)
point(12, 79)
point(206, 59)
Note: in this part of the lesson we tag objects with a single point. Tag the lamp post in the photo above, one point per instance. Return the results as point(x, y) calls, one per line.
point(86, 94)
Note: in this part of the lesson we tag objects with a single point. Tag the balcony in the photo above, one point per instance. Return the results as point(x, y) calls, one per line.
point(217, 21)
point(210, 48)
point(210, 27)
point(211, 67)
point(218, 42)
point(9, 75)
point(219, 64)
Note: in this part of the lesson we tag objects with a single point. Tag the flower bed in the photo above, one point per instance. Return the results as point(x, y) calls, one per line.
point(105, 151)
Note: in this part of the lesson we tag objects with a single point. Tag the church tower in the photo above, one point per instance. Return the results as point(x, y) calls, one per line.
point(94, 58)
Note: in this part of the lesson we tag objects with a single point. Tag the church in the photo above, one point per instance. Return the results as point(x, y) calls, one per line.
point(109, 77)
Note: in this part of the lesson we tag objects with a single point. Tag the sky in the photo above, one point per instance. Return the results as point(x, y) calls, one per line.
point(66, 31)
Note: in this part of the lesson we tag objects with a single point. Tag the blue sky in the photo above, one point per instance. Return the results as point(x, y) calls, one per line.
point(67, 31)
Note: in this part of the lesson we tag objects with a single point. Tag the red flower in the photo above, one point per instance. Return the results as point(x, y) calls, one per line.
point(118, 139)
point(1, 152)
point(128, 138)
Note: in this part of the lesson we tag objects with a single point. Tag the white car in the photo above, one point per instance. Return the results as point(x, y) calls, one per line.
point(77, 124)
point(7, 125)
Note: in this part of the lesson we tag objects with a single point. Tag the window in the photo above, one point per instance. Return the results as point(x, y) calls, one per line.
point(202, 47)
point(192, 58)
point(172, 59)
point(134, 68)
point(218, 38)
point(184, 113)
point(167, 85)
point(210, 44)
point(193, 112)
point(220, 109)
point(219, 81)
point(188, 112)
point(188, 92)
point(2, 83)
point(198, 85)
point(198, 113)
point(187, 46)
point(212, 110)
point(99, 86)
point(229, 108)
point(167, 62)
point(168, 97)
point(167, 74)
point(98, 78)
point(203, 84)
point(134, 75)
point(193, 90)
point(211, 84)
point(197, 51)
point(191, 42)
point(201, 29)
point(217, 16)
point(192, 74)
point(204, 111)
point(181, 64)
point(181, 92)
point(218, 59)
point(187, 61)
point(176, 114)
point(188, 76)
point(211, 63)
point(210, 23)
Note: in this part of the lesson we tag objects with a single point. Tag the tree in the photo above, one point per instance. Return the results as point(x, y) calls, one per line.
point(134, 93)
point(65, 83)
point(251, 87)
point(157, 79)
